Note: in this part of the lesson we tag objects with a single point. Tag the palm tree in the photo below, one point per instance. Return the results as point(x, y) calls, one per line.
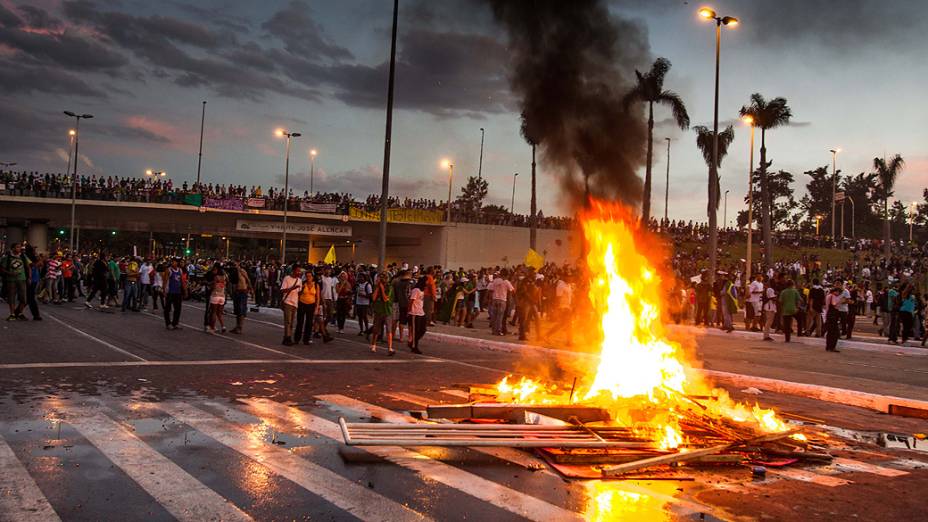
point(886, 174)
point(704, 143)
point(650, 90)
point(767, 115)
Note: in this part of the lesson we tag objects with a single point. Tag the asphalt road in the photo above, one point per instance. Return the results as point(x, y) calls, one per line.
point(108, 416)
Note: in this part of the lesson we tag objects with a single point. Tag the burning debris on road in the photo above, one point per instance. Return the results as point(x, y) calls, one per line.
point(642, 405)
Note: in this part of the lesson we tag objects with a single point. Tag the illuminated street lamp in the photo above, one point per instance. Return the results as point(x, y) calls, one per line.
point(834, 188)
point(446, 164)
point(728, 21)
point(76, 130)
point(155, 173)
point(312, 168)
point(749, 120)
point(512, 204)
point(280, 133)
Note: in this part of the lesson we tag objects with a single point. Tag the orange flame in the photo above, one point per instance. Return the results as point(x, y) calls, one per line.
point(641, 376)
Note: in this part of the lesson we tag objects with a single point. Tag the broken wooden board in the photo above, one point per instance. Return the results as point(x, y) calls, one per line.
point(516, 411)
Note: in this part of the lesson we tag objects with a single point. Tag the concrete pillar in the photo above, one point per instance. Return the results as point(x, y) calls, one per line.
point(37, 236)
point(14, 234)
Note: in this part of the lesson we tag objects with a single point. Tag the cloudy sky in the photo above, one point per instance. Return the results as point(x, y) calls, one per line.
point(852, 71)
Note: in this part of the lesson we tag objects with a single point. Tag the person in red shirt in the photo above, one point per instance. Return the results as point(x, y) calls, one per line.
point(67, 275)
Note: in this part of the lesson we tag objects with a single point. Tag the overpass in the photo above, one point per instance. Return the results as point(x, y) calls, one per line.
point(310, 233)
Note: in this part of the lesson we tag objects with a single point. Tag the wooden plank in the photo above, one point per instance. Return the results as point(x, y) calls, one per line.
point(507, 411)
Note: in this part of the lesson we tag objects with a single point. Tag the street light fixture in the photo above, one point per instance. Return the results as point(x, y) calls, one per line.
point(749, 120)
point(447, 164)
point(834, 189)
point(729, 21)
point(76, 130)
point(155, 173)
point(512, 204)
point(289, 135)
point(312, 169)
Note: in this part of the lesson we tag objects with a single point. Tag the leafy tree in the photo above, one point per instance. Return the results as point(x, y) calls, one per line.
point(472, 195)
point(859, 190)
point(704, 137)
point(766, 115)
point(817, 201)
point(650, 90)
point(886, 173)
point(782, 201)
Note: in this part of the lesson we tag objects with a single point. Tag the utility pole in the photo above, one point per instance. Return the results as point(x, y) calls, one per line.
point(480, 165)
point(533, 220)
point(667, 183)
point(200, 153)
point(385, 188)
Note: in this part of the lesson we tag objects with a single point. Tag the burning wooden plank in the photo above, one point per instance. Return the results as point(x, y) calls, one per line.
point(502, 411)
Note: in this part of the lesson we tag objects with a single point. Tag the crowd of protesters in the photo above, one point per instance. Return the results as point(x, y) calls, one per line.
point(157, 189)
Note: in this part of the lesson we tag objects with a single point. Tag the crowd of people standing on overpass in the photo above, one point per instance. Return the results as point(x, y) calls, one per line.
point(157, 189)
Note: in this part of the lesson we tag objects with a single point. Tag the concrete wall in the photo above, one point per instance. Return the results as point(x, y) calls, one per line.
point(472, 246)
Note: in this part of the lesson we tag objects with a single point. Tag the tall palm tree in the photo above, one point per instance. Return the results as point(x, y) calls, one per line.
point(704, 143)
point(767, 115)
point(886, 174)
point(650, 90)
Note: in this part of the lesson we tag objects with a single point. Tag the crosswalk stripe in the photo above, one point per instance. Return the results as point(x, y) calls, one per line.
point(20, 497)
point(866, 467)
point(496, 494)
point(185, 497)
point(809, 476)
point(346, 494)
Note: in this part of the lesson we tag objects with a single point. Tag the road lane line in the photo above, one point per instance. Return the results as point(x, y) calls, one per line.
point(20, 497)
point(213, 362)
point(185, 497)
point(486, 490)
point(229, 338)
point(92, 338)
point(348, 495)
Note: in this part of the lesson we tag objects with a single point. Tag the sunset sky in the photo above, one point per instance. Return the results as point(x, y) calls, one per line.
point(853, 73)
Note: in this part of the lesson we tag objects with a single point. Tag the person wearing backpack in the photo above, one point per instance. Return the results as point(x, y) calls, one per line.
point(892, 305)
point(14, 267)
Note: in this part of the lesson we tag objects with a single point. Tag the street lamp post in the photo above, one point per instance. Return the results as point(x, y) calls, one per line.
point(750, 121)
point(834, 190)
point(853, 212)
point(912, 207)
point(512, 204)
point(709, 14)
point(725, 211)
point(283, 242)
point(480, 165)
point(312, 169)
point(200, 153)
point(77, 131)
point(450, 166)
point(71, 134)
point(667, 184)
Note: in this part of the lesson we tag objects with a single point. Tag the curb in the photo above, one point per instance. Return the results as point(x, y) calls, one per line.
point(870, 401)
point(807, 341)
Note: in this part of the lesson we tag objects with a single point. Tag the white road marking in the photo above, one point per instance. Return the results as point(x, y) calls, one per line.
point(233, 339)
point(809, 476)
point(866, 467)
point(461, 394)
point(20, 497)
point(92, 338)
point(496, 494)
point(214, 362)
point(185, 497)
point(348, 495)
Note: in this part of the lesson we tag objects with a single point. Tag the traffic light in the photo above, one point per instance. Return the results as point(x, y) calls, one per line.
point(113, 233)
point(61, 232)
point(186, 251)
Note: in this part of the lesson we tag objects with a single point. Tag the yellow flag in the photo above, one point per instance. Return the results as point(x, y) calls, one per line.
point(330, 255)
point(534, 259)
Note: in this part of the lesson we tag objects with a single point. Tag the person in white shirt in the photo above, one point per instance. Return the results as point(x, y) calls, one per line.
point(753, 312)
point(499, 290)
point(145, 272)
point(289, 299)
point(868, 301)
point(329, 296)
point(417, 319)
point(564, 296)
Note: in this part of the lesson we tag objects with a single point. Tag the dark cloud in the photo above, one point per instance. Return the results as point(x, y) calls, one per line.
point(301, 35)
point(16, 77)
point(27, 133)
point(64, 49)
point(131, 133)
point(38, 18)
point(9, 18)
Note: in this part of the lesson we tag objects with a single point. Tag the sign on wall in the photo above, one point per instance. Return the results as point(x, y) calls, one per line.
point(277, 227)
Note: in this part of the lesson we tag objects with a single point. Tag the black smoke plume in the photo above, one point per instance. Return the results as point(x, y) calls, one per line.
point(572, 63)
